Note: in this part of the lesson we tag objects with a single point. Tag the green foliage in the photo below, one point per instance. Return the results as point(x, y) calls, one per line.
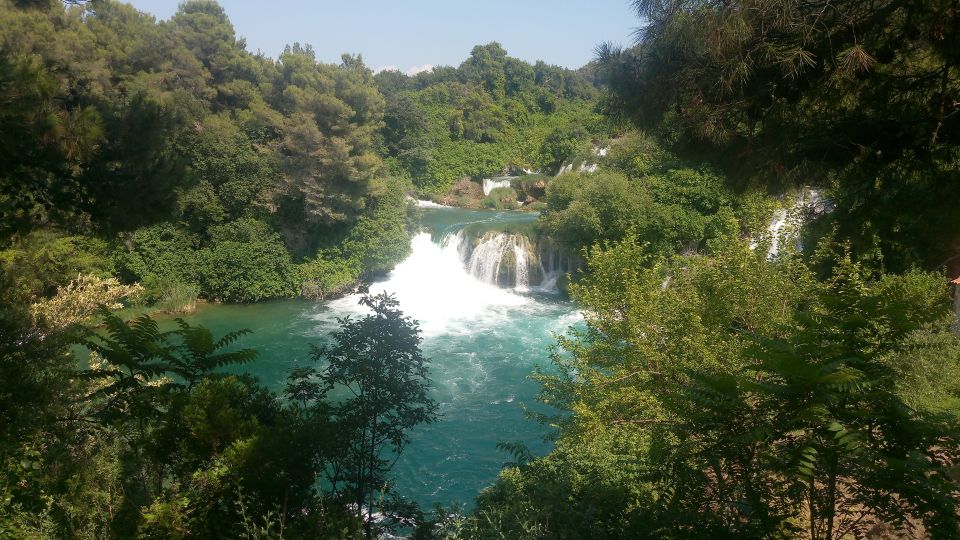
point(33, 366)
point(245, 264)
point(44, 260)
point(158, 255)
point(107, 145)
point(823, 426)
point(378, 242)
point(491, 113)
point(562, 144)
point(153, 440)
point(376, 363)
point(327, 276)
point(502, 198)
point(705, 380)
point(678, 209)
point(381, 238)
point(862, 101)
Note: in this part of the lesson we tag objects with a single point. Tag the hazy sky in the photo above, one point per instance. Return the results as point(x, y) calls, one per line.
point(411, 34)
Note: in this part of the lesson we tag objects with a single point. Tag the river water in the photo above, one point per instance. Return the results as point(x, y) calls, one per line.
point(482, 341)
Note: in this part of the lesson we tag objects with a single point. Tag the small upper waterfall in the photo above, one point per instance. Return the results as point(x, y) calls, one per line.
point(786, 222)
point(490, 184)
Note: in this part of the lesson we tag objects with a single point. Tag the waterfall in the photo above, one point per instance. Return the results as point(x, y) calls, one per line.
point(521, 273)
point(500, 258)
point(434, 288)
point(490, 184)
point(512, 260)
point(485, 260)
point(775, 230)
point(785, 223)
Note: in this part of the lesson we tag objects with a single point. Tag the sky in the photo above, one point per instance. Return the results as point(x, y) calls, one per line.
point(414, 35)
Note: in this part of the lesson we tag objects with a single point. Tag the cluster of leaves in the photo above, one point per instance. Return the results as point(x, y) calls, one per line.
point(642, 190)
point(157, 438)
point(728, 395)
point(141, 133)
point(74, 303)
point(860, 97)
point(491, 113)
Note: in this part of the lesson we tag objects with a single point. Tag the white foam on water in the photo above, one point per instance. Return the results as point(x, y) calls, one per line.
point(431, 204)
point(434, 288)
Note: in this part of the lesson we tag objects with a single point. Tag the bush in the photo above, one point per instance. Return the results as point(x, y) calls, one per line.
point(381, 238)
point(43, 260)
point(503, 198)
point(81, 298)
point(637, 155)
point(257, 267)
point(562, 144)
point(326, 277)
point(162, 251)
point(676, 210)
point(170, 296)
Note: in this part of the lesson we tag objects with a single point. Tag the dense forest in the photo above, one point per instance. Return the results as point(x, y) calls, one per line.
point(493, 113)
point(731, 379)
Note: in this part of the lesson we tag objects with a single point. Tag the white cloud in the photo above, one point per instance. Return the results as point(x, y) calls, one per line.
point(413, 70)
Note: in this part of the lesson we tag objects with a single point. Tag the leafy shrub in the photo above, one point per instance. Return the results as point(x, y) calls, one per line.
point(502, 198)
point(327, 277)
point(44, 260)
point(81, 298)
point(678, 209)
point(161, 250)
point(171, 297)
point(247, 263)
point(381, 238)
point(562, 144)
point(636, 155)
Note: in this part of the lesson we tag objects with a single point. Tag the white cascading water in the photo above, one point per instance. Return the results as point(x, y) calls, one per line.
point(775, 230)
point(482, 342)
point(785, 223)
point(552, 270)
point(484, 263)
point(487, 258)
point(434, 288)
point(521, 265)
point(490, 184)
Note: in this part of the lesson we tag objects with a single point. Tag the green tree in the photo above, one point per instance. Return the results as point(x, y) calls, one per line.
point(246, 263)
point(816, 424)
point(847, 95)
point(375, 363)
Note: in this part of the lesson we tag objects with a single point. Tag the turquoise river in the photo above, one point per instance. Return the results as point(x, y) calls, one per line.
point(483, 342)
